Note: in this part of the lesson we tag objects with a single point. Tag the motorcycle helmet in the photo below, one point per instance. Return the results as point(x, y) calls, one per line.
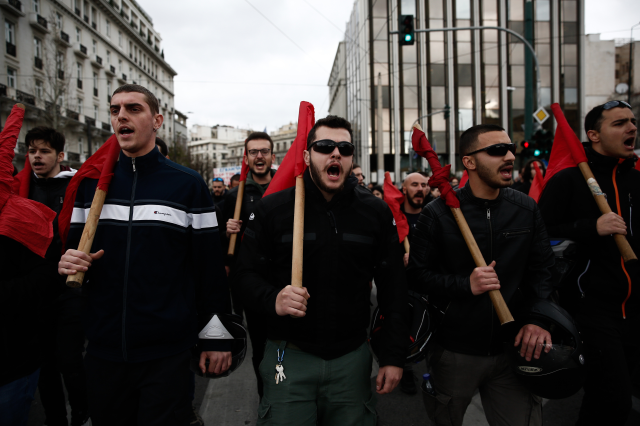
point(222, 327)
point(559, 373)
point(420, 330)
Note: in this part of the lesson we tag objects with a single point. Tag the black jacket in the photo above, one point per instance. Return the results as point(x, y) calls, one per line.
point(29, 284)
point(569, 211)
point(348, 242)
point(508, 230)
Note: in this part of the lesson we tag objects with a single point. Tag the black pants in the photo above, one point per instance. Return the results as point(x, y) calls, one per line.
point(611, 353)
point(67, 339)
point(150, 393)
point(257, 325)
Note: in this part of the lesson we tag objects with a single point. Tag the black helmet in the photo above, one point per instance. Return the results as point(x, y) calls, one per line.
point(559, 373)
point(420, 329)
point(222, 327)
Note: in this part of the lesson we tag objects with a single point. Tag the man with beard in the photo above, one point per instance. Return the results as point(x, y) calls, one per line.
point(218, 191)
point(258, 157)
point(357, 171)
point(507, 225)
point(350, 238)
point(605, 298)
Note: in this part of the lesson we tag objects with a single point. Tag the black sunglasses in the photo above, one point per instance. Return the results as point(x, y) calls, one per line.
point(327, 146)
point(614, 104)
point(497, 150)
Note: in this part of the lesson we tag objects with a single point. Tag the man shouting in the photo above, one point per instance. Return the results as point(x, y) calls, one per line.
point(320, 355)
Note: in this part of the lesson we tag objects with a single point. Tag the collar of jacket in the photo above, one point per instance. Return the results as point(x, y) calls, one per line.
point(466, 195)
point(312, 191)
point(250, 181)
point(144, 164)
point(602, 163)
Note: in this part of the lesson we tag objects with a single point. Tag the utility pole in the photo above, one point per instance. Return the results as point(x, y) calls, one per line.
point(629, 80)
point(528, 72)
point(380, 177)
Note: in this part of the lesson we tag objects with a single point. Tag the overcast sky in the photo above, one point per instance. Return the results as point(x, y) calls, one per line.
point(240, 68)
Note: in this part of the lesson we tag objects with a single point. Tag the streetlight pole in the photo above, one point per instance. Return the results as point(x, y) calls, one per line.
point(629, 81)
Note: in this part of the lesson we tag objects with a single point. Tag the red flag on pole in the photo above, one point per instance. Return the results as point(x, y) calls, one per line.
point(440, 177)
point(245, 167)
point(293, 164)
point(99, 166)
point(26, 221)
point(538, 182)
point(394, 198)
point(463, 181)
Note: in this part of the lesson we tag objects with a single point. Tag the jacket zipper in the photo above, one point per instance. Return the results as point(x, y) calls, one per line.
point(630, 215)
point(615, 187)
point(333, 221)
point(491, 257)
point(126, 265)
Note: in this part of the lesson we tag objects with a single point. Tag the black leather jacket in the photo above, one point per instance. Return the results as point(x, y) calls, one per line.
point(508, 230)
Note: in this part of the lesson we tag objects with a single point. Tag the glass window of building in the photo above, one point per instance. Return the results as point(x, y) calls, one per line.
point(10, 33)
point(36, 6)
point(79, 70)
point(58, 21)
point(120, 38)
point(95, 112)
point(435, 9)
point(107, 27)
point(78, 35)
point(80, 101)
point(463, 9)
point(489, 10)
point(108, 57)
point(39, 89)
point(37, 48)
point(94, 47)
point(11, 77)
point(543, 10)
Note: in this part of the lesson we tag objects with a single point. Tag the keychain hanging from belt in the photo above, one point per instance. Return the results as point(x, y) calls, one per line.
point(279, 367)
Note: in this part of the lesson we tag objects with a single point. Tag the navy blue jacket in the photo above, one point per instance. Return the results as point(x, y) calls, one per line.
point(162, 273)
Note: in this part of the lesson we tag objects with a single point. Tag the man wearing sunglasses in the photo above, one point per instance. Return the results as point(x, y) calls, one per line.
point(604, 299)
point(317, 334)
point(259, 157)
point(507, 225)
point(218, 192)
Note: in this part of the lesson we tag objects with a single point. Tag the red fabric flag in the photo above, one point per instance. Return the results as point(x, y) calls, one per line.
point(440, 177)
point(394, 198)
point(293, 163)
point(245, 167)
point(25, 221)
point(567, 151)
point(463, 181)
point(22, 181)
point(538, 182)
point(637, 163)
point(99, 166)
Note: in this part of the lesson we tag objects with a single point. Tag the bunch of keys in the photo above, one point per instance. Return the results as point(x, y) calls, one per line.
point(279, 368)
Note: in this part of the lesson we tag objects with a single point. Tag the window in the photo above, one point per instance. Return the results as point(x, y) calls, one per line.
point(95, 81)
point(108, 28)
point(37, 48)
point(78, 35)
point(109, 88)
point(108, 57)
point(39, 89)
point(11, 77)
point(10, 32)
point(80, 147)
point(120, 38)
point(59, 60)
point(36, 6)
point(119, 65)
point(94, 46)
point(95, 112)
point(80, 106)
point(79, 70)
point(58, 21)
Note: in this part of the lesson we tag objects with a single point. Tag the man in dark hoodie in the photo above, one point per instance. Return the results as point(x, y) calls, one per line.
point(259, 158)
point(48, 183)
point(608, 310)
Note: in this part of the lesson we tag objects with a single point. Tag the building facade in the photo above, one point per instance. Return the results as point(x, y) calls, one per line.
point(64, 58)
point(483, 76)
point(627, 71)
point(211, 147)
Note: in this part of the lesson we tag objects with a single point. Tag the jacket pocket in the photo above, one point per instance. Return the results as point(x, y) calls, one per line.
point(516, 232)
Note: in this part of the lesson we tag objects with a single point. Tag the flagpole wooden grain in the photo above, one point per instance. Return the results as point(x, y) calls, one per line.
point(89, 232)
point(236, 216)
point(504, 315)
point(298, 234)
point(406, 244)
point(621, 241)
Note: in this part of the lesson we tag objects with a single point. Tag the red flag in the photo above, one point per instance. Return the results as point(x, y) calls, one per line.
point(440, 177)
point(293, 164)
point(463, 181)
point(26, 221)
point(567, 151)
point(637, 163)
point(99, 166)
point(245, 167)
point(538, 182)
point(394, 198)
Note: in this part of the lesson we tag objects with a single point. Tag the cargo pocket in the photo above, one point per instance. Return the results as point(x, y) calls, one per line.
point(264, 412)
point(370, 417)
point(436, 406)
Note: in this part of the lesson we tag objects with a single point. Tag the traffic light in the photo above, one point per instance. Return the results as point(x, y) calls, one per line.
point(526, 149)
point(406, 30)
point(542, 141)
point(447, 111)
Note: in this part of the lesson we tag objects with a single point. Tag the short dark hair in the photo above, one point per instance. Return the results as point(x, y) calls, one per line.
point(526, 172)
point(594, 119)
point(235, 178)
point(470, 136)
point(54, 138)
point(356, 166)
point(162, 145)
point(333, 122)
point(258, 135)
point(378, 188)
point(151, 99)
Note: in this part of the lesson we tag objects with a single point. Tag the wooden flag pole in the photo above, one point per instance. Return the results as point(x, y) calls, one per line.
point(236, 216)
point(298, 234)
point(89, 232)
point(406, 244)
point(504, 315)
point(621, 241)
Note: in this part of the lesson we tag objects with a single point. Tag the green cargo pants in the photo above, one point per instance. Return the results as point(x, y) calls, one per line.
point(315, 391)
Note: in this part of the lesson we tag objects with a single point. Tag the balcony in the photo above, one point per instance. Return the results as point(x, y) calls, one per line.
point(72, 114)
point(106, 126)
point(90, 121)
point(80, 50)
point(79, 83)
point(86, 19)
point(63, 39)
point(11, 49)
point(95, 92)
point(37, 62)
point(97, 61)
point(111, 70)
point(39, 23)
point(123, 78)
point(25, 98)
point(61, 74)
point(13, 7)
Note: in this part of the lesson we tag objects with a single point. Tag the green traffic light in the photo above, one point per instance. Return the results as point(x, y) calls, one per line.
point(536, 153)
point(407, 37)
